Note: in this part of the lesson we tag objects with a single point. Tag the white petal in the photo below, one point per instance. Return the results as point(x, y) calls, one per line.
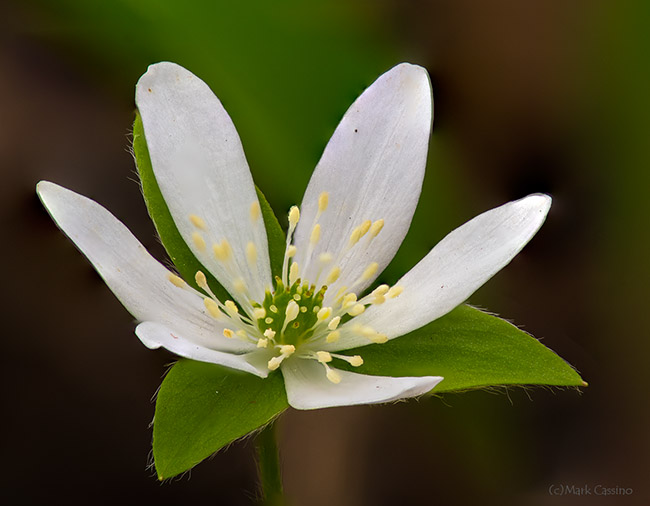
point(154, 335)
point(138, 280)
point(308, 388)
point(372, 169)
point(456, 267)
point(201, 169)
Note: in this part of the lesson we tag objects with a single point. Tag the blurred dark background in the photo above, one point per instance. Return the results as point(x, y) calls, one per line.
point(529, 96)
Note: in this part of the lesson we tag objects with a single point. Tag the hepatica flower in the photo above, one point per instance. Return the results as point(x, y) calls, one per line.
point(354, 215)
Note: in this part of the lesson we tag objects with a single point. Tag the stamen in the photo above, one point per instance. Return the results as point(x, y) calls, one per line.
point(394, 292)
point(334, 322)
point(323, 357)
point(222, 251)
point(213, 308)
point(357, 309)
point(231, 307)
point(240, 286)
point(349, 300)
point(294, 216)
point(201, 280)
point(269, 333)
point(292, 312)
point(259, 313)
point(228, 333)
point(380, 290)
point(364, 227)
point(286, 351)
point(333, 376)
point(324, 313)
point(334, 336)
point(176, 280)
point(315, 235)
point(325, 258)
point(291, 251)
point(323, 200)
point(197, 221)
point(262, 343)
point(354, 361)
point(255, 211)
point(370, 271)
point(198, 241)
point(376, 228)
point(293, 273)
point(333, 275)
point(251, 254)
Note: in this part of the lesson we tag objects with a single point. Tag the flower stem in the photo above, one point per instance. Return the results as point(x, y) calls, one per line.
point(268, 465)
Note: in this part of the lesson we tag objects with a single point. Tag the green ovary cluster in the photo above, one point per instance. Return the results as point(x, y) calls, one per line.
point(301, 328)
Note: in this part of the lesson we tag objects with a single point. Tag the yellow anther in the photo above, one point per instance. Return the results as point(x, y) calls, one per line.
point(262, 343)
point(293, 273)
point(370, 271)
point(394, 292)
point(364, 227)
point(291, 251)
point(323, 357)
point(239, 285)
point(355, 236)
point(333, 275)
point(334, 322)
point(292, 311)
point(259, 313)
point(287, 349)
point(349, 300)
point(273, 308)
point(268, 320)
point(334, 336)
point(355, 361)
point(251, 254)
point(323, 200)
point(274, 363)
point(376, 228)
point(379, 338)
point(269, 333)
point(198, 241)
point(379, 299)
point(380, 290)
point(212, 307)
point(228, 333)
point(176, 280)
point(357, 309)
point(325, 258)
point(333, 376)
point(324, 313)
point(231, 307)
point(197, 221)
point(315, 234)
point(255, 211)
point(294, 216)
point(201, 280)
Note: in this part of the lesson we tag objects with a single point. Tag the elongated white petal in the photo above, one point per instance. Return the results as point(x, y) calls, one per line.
point(308, 388)
point(456, 267)
point(372, 169)
point(202, 172)
point(139, 281)
point(155, 335)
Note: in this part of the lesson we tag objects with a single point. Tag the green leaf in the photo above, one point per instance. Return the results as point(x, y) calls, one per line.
point(470, 349)
point(201, 407)
point(177, 249)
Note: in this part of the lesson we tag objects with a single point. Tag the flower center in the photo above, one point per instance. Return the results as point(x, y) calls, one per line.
point(292, 320)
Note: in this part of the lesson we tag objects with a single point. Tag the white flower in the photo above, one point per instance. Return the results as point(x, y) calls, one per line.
point(354, 215)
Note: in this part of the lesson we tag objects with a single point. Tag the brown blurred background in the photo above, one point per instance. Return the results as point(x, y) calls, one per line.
point(530, 96)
